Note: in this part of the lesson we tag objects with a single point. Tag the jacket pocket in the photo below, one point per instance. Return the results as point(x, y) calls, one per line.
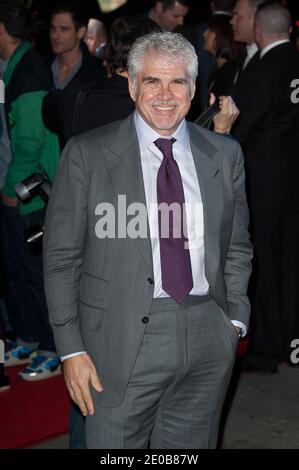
point(92, 290)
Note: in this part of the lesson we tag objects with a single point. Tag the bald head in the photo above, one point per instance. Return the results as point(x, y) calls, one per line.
point(272, 23)
point(96, 35)
point(273, 18)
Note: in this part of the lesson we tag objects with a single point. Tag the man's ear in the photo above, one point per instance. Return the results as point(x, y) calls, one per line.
point(82, 32)
point(132, 90)
point(192, 90)
point(257, 35)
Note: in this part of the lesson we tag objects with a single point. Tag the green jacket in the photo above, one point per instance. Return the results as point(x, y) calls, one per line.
point(34, 147)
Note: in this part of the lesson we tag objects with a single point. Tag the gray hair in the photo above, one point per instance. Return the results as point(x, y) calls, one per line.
point(172, 45)
point(273, 19)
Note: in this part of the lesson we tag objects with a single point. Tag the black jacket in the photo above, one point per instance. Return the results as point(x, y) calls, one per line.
point(109, 102)
point(58, 105)
point(269, 128)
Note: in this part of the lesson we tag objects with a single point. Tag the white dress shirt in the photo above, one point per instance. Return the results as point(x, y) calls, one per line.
point(251, 50)
point(151, 159)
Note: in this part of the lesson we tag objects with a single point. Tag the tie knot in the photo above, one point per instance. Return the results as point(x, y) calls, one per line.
point(165, 146)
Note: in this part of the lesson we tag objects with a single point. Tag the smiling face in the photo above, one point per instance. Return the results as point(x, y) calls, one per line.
point(163, 92)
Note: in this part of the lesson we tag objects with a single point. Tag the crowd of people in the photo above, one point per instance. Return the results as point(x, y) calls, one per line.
point(79, 304)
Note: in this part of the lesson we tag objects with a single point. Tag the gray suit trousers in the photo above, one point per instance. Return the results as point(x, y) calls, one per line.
point(178, 384)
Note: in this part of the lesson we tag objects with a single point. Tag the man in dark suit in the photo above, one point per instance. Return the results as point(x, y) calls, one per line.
point(269, 135)
point(149, 312)
point(243, 28)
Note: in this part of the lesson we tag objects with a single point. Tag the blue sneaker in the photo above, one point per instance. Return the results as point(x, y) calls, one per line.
point(18, 355)
point(41, 368)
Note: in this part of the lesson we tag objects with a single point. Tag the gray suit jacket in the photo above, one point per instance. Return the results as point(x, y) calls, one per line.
point(99, 290)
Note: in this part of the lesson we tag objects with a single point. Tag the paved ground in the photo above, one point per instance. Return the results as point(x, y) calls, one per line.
point(262, 412)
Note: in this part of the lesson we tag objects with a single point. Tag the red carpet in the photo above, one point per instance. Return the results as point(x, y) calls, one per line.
point(35, 412)
point(32, 412)
point(242, 347)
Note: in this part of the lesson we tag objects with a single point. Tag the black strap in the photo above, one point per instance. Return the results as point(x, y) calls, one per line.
point(78, 106)
point(205, 119)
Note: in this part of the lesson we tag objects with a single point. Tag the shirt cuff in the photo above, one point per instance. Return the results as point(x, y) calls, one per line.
point(68, 356)
point(240, 325)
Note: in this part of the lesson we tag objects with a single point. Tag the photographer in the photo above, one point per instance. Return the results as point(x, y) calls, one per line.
point(26, 80)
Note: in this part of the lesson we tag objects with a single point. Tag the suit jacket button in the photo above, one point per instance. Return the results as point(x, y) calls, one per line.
point(145, 320)
point(150, 280)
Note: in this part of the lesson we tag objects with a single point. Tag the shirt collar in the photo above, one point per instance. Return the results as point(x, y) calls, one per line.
point(147, 135)
point(251, 49)
point(222, 12)
point(55, 72)
point(274, 44)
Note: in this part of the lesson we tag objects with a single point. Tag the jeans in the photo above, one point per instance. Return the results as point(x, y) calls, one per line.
point(25, 301)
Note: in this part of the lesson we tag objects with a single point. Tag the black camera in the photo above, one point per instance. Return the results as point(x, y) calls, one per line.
point(33, 185)
point(36, 184)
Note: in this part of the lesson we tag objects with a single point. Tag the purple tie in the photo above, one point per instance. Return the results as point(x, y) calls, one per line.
point(176, 270)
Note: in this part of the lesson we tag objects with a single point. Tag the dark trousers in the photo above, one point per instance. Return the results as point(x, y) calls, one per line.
point(274, 294)
point(25, 301)
point(77, 429)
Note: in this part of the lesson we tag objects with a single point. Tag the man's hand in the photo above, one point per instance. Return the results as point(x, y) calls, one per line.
point(78, 372)
point(229, 112)
point(9, 201)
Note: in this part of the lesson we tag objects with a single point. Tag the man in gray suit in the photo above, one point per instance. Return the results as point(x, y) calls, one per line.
point(147, 305)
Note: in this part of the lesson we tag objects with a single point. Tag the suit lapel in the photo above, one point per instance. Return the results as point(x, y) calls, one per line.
point(208, 172)
point(124, 165)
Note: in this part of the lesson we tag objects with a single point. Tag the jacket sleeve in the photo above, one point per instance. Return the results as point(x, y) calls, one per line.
point(27, 139)
point(51, 110)
point(65, 230)
point(238, 262)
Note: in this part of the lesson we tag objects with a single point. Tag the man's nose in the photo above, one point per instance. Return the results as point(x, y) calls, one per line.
point(165, 91)
point(54, 34)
